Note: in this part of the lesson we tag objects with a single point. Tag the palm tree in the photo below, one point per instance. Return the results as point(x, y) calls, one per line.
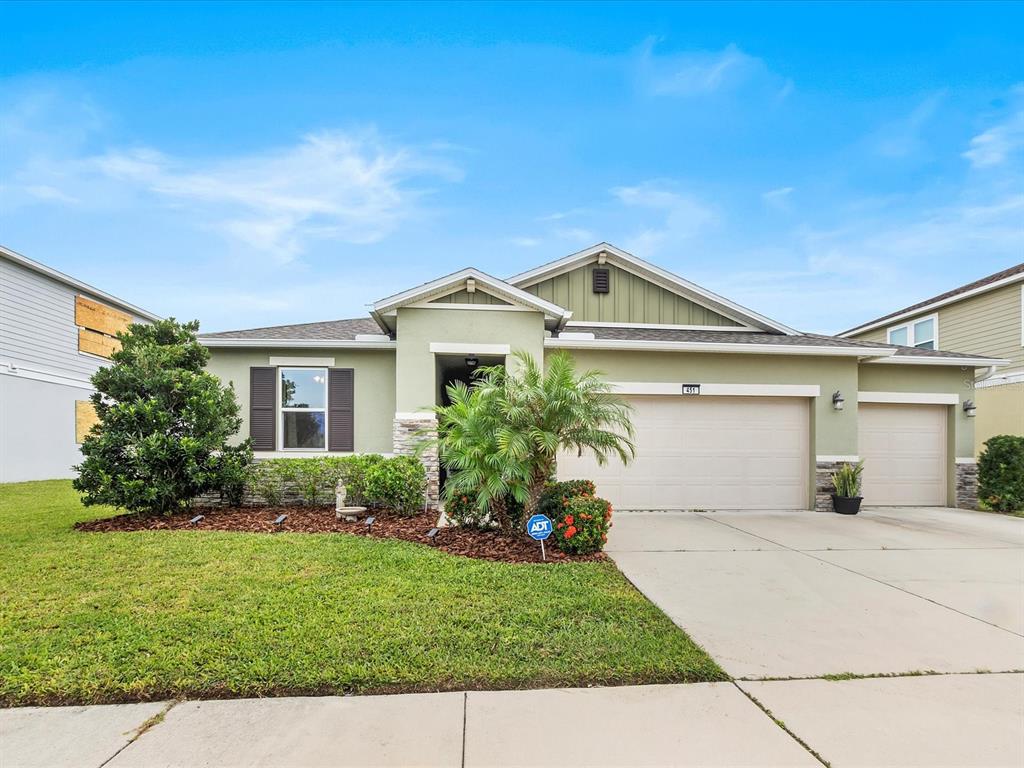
point(501, 435)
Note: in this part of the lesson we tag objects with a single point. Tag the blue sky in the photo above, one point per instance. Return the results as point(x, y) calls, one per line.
point(262, 164)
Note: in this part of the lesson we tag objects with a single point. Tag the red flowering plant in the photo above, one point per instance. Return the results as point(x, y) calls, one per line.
point(581, 527)
point(556, 494)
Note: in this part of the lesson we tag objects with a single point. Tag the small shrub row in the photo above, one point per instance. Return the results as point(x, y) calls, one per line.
point(1001, 473)
point(370, 480)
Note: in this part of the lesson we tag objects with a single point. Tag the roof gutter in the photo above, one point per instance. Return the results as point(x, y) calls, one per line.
point(293, 343)
point(965, 362)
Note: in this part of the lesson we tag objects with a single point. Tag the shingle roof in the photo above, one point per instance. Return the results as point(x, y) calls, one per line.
point(329, 330)
point(993, 278)
point(751, 337)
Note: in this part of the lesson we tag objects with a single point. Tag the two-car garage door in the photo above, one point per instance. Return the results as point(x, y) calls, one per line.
point(708, 453)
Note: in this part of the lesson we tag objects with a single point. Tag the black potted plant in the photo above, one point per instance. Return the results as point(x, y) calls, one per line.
point(846, 500)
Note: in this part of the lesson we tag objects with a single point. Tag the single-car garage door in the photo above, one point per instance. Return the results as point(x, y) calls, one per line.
point(703, 452)
point(904, 453)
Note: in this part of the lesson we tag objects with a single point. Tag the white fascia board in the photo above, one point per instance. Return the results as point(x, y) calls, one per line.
point(718, 390)
point(910, 398)
point(964, 362)
point(701, 346)
point(655, 274)
point(298, 343)
point(665, 326)
point(932, 306)
point(1001, 380)
point(455, 280)
point(71, 282)
point(447, 348)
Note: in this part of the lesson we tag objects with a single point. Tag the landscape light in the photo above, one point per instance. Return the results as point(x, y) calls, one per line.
point(196, 519)
point(432, 535)
point(281, 519)
point(369, 523)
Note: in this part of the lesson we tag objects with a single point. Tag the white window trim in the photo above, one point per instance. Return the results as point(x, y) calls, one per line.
point(909, 326)
point(281, 410)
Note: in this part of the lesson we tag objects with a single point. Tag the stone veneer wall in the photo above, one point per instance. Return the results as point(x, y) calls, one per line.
point(967, 485)
point(823, 487)
point(409, 431)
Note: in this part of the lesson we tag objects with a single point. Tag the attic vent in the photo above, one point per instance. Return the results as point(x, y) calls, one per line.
point(601, 280)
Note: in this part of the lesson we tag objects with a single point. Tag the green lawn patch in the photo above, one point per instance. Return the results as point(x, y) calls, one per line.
point(100, 617)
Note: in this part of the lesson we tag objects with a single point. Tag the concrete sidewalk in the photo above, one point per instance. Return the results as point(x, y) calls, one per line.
point(709, 724)
point(963, 720)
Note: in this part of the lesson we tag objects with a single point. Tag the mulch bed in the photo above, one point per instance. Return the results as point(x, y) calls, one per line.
point(483, 545)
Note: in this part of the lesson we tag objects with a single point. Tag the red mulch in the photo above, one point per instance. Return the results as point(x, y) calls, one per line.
point(483, 545)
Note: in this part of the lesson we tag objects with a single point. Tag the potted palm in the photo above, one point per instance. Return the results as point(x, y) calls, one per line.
point(846, 480)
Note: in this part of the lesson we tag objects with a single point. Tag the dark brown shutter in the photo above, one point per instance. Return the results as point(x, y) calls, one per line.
point(601, 280)
point(263, 408)
point(341, 409)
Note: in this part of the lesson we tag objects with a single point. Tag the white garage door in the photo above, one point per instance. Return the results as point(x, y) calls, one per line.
point(904, 453)
point(708, 453)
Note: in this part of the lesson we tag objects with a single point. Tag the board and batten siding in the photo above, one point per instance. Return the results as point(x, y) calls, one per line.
point(630, 299)
point(986, 324)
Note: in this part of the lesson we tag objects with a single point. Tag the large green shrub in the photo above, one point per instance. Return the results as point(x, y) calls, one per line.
point(236, 470)
point(1001, 473)
point(164, 423)
point(581, 528)
point(398, 483)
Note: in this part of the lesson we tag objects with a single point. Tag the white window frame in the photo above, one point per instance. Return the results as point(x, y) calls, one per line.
point(282, 410)
point(909, 326)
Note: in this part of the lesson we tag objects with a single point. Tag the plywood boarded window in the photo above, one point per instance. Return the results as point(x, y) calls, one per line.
point(85, 419)
point(98, 324)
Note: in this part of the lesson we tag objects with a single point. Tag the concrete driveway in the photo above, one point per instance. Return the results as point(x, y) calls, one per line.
point(776, 596)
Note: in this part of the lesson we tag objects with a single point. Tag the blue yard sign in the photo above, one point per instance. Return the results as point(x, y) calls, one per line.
point(539, 527)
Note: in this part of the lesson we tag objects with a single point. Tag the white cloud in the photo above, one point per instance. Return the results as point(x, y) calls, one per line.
point(902, 137)
point(695, 73)
point(525, 242)
point(329, 186)
point(777, 198)
point(576, 235)
point(995, 146)
point(681, 216)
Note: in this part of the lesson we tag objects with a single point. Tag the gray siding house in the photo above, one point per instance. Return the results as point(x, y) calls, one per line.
point(55, 332)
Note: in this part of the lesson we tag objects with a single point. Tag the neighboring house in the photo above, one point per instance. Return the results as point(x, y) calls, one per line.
point(733, 410)
point(55, 332)
point(984, 317)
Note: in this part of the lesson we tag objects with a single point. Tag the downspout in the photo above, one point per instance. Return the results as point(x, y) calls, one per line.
point(988, 373)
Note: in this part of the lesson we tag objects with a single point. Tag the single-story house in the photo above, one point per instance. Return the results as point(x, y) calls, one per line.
point(733, 410)
point(55, 333)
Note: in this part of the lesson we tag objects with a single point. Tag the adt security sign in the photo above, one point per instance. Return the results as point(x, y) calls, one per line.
point(539, 527)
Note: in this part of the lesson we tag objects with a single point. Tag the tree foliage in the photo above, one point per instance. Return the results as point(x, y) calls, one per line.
point(501, 435)
point(164, 423)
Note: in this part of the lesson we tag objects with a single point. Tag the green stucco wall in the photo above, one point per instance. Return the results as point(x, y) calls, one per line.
point(374, 386)
point(416, 377)
point(630, 299)
point(833, 432)
point(888, 377)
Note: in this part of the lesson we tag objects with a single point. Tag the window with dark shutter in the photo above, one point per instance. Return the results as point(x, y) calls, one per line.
point(263, 408)
point(341, 409)
point(601, 280)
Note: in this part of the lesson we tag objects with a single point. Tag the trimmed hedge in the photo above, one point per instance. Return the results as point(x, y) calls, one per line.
point(555, 494)
point(581, 527)
point(1001, 473)
point(396, 482)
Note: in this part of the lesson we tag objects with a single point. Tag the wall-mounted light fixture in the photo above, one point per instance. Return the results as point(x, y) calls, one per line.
point(837, 400)
point(472, 362)
point(970, 409)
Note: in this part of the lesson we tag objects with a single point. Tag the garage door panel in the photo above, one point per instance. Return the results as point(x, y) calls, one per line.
point(708, 453)
point(904, 451)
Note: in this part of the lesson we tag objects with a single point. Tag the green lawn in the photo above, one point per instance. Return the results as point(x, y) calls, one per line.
point(92, 617)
